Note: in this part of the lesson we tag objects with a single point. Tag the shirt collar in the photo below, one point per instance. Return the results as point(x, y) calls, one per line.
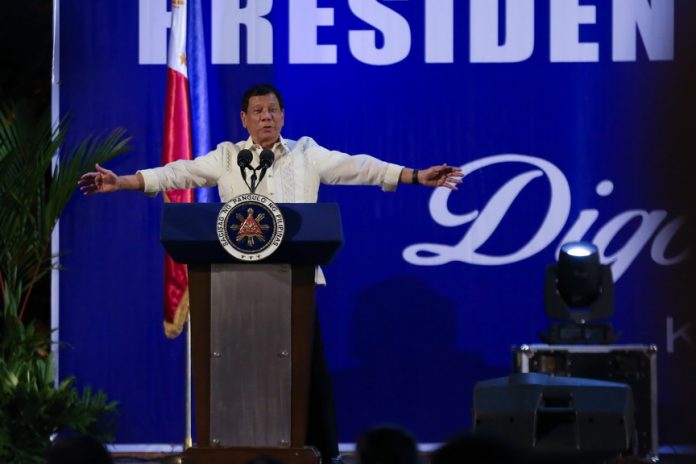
point(279, 148)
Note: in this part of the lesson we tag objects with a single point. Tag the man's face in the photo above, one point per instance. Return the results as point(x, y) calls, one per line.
point(264, 119)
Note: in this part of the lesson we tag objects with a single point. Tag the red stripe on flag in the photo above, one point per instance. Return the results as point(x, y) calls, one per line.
point(177, 143)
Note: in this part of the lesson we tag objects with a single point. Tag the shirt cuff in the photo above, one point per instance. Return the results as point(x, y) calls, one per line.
point(150, 182)
point(391, 177)
point(319, 278)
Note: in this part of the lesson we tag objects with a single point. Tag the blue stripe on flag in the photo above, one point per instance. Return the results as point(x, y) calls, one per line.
point(198, 89)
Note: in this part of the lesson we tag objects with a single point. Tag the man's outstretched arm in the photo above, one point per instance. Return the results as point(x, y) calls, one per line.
point(105, 181)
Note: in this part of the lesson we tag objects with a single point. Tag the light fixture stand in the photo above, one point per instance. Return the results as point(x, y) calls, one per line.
point(575, 333)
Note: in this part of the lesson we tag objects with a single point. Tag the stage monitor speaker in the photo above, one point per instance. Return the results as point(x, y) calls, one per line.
point(556, 416)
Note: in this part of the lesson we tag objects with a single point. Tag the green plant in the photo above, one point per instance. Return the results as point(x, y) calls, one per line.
point(38, 175)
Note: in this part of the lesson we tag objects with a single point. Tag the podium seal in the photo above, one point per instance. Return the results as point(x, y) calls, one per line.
point(250, 227)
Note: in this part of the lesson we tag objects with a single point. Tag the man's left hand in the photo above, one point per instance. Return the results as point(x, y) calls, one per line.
point(441, 176)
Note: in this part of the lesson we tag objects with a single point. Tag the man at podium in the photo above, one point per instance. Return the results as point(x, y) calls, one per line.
point(297, 170)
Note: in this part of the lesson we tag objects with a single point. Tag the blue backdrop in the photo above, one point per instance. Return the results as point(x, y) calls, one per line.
point(575, 120)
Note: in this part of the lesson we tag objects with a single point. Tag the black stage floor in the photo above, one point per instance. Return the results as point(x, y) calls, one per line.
point(351, 459)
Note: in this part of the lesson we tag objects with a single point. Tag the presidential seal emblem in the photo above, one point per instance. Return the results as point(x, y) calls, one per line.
point(250, 227)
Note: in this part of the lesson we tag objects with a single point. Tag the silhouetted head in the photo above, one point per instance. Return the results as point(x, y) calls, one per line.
point(387, 445)
point(81, 449)
point(476, 449)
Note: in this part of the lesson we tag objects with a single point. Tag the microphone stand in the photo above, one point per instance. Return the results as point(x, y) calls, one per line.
point(254, 177)
point(253, 180)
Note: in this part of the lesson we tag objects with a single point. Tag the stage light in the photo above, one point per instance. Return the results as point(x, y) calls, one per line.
point(578, 249)
point(579, 289)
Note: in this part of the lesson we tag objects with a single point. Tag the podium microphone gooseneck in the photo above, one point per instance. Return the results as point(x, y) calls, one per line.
point(266, 159)
point(244, 158)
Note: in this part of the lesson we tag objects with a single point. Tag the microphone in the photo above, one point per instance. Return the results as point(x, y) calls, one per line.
point(244, 162)
point(244, 158)
point(266, 159)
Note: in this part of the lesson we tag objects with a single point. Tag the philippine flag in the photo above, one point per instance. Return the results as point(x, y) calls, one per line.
point(177, 145)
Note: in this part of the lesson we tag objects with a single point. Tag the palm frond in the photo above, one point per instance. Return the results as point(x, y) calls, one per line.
point(34, 190)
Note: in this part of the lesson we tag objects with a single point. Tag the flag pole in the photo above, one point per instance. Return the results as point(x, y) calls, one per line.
point(188, 440)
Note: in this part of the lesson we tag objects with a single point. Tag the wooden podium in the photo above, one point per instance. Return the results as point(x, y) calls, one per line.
point(252, 326)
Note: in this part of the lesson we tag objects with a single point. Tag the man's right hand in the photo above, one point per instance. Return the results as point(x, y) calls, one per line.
point(105, 181)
